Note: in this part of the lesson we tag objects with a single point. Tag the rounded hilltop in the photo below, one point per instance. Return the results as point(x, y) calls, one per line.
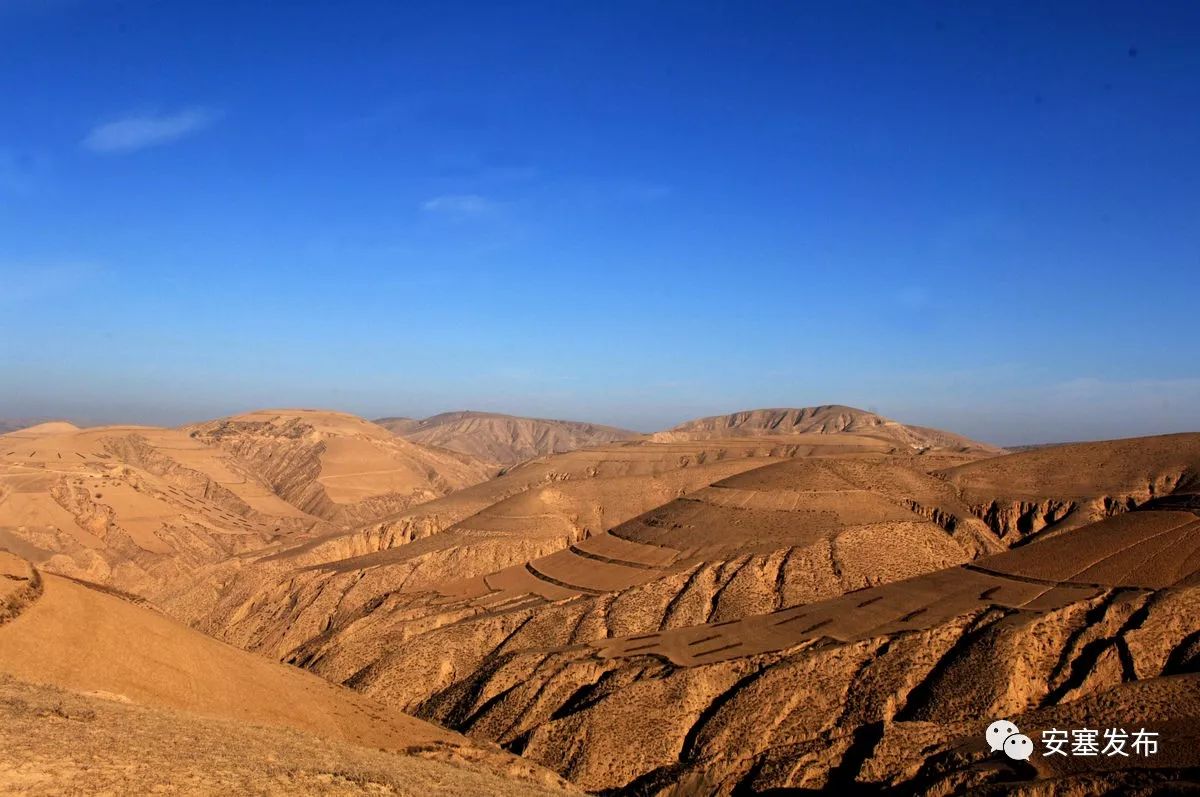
point(504, 440)
point(320, 421)
point(823, 419)
point(20, 429)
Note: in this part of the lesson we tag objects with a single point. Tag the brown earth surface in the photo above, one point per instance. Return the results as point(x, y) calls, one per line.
point(338, 466)
point(80, 660)
point(827, 419)
point(504, 440)
point(812, 600)
point(58, 742)
point(772, 626)
point(142, 508)
point(15, 424)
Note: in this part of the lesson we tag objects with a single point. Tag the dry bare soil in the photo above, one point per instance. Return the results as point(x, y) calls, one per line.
point(503, 440)
point(809, 599)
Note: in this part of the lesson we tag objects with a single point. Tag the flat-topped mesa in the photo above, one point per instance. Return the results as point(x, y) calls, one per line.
point(825, 419)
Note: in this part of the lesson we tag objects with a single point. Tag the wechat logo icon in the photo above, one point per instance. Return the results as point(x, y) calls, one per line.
point(1004, 735)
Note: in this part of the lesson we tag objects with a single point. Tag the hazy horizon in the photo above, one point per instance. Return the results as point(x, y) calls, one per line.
point(981, 219)
point(165, 417)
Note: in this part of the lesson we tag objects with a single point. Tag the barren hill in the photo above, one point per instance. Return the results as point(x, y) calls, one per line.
point(10, 425)
point(337, 466)
point(1096, 626)
point(798, 600)
point(135, 507)
point(143, 508)
point(397, 425)
point(829, 419)
point(535, 509)
point(505, 440)
point(111, 655)
point(1054, 488)
point(803, 611)
point(60, 743)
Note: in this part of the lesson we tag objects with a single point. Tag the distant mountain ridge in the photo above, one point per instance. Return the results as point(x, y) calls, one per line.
point(338, 466)
point(825, 419)
point(505, 440)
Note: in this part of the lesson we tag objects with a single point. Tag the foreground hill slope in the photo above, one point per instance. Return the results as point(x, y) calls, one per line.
point(828, 419)
point(58, 742)
point(504, 440)
point(71, 636)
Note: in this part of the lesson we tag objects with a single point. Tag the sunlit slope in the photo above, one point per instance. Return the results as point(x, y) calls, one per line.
point(133, 506)
point(505, 440)
point(1054, 488)
point(932, 658)
point(827, 419)
point(337, 466)
point(783, 532)
point(535, 510)
point(79, 638)
point(825, 600)
point(74, 637)
point(58, 742)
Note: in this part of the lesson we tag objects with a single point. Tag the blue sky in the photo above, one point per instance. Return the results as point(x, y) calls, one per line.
point(980, 216)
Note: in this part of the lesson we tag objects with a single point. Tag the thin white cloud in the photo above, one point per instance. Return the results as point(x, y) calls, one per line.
point(458, 204)
point(147, 130)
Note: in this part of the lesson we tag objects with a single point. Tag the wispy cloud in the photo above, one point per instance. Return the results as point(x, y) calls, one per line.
point(140, 131)
point(459, 204)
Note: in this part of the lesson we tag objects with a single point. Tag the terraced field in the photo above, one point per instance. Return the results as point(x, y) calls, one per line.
point(779, 611)
point(817, 601)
